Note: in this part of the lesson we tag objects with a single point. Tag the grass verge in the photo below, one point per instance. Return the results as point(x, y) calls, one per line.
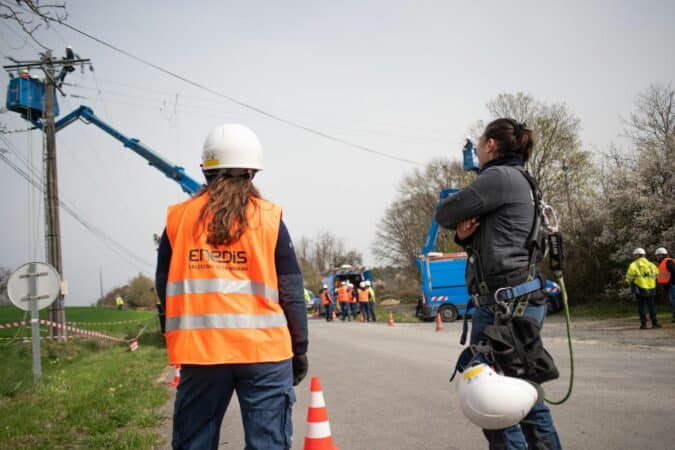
point(93, 394)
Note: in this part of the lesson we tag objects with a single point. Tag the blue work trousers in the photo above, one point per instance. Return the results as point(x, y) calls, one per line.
point(345, 310)
point(536, 430)
point(371, 311)
point(671, 296)
point(329, 312)
point(363, 308)
point(641, 309)
point(265, 394)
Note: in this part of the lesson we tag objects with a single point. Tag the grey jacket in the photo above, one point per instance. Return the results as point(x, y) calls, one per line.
point(502, 199)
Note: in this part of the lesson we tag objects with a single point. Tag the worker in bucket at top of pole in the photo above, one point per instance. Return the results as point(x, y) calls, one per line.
point(493, 218)
point(231, 285)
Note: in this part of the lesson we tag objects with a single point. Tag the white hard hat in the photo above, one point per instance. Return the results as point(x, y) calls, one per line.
point(367, 282)
point(493, 401)
point(232, 146)
point(324, 286)
point(362, 284)
point(344, 283)
point(639, 251)
point(661, 251)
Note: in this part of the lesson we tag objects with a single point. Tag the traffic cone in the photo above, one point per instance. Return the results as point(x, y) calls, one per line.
point(334, 316)
point(318, 435)
point(439, 322)
point(176, 376)
point(391, 319)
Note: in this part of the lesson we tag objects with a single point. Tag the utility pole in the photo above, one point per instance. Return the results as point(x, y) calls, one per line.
point(52, 216)
point(51, 83)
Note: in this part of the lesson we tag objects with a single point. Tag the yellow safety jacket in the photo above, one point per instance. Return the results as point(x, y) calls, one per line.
point(642, 273)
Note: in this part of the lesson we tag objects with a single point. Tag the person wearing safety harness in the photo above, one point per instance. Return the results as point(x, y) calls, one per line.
point(230, 284)
point(496, 219)
point(666, 276)
point(641, 276)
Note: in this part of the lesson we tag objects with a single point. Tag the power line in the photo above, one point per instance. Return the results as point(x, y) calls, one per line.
point(237, 101)
point(115, 246)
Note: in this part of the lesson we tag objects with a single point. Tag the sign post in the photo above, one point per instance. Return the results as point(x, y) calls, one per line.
point(34, 286)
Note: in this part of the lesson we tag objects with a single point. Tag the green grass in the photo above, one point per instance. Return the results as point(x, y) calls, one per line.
point(93, 393)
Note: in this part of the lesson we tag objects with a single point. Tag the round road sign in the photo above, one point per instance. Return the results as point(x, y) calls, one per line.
point(34, 280)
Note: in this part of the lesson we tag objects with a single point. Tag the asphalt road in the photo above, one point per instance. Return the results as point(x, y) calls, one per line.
point(387, 387)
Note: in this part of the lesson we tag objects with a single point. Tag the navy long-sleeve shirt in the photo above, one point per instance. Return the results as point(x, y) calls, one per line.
point(291, 289)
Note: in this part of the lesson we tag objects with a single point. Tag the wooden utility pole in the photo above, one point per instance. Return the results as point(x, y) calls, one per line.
point(52, 82)
point(52, 216)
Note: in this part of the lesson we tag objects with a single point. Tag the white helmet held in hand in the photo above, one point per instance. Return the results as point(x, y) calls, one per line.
point(661, 251)
point(639, 251)
point(493, 401)
point(232, 146)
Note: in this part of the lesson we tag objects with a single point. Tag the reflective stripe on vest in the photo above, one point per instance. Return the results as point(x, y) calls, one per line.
point(222, 302)
point(218, 285)
point(364, 294)
point(664, 274)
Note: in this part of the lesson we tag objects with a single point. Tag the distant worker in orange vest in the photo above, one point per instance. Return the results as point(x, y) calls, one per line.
point(327, 302)
point(344, 296)
point(666, 277)
point(230, 284)
point(363, 294)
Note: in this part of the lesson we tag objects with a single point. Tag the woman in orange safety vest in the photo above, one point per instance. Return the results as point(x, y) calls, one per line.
point(232, 291)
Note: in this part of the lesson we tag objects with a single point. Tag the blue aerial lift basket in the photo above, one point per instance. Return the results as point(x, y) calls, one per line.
point(26, 96)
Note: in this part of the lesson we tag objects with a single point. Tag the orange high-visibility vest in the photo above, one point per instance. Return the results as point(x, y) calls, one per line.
point(325, 298)
point(222, 302)
point(343, 294)
point(352, 299)
point(364, 295)
point(664, 274)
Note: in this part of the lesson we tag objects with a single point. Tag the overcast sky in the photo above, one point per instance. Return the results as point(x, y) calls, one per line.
point(401, 77)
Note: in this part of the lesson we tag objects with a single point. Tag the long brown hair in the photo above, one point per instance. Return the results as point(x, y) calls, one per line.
point(227, 204)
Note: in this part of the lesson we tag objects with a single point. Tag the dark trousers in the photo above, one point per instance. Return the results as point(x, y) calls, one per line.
point(363, 307)
point(641, 309)
point(371, 311)
point(536, 430)
point(265, 394)
point(329, 312)
point(345, 311)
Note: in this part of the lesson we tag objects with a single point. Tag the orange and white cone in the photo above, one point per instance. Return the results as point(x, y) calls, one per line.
point(318, 436)
point(391, 319)
point(176, 376)
point(439, 322)
point(334, 316)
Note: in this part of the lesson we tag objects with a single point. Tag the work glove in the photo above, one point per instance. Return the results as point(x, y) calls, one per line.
point(300, 366)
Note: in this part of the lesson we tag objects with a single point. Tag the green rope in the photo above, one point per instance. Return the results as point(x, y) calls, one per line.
point(561, 281)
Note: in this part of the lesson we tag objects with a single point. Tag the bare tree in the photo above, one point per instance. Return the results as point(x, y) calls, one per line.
point(402, 230)
point(318, 255)
point(30, 15)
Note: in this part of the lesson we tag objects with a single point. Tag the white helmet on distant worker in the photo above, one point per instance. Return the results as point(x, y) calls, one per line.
point(639, 251)
point(362, 284)
point(661, 251)
point(367, 283)
point(344, 283)
point(232, 146)
point(324, 286)
point(493, 401)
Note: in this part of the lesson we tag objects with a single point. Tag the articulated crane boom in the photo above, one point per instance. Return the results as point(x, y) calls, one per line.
point(176, 173)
